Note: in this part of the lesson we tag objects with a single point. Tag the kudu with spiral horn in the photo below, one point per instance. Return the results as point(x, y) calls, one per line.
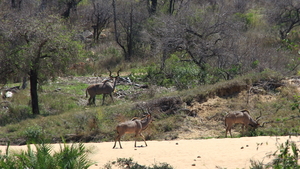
point(242, 117)
point(133, 126)
point(106, 88)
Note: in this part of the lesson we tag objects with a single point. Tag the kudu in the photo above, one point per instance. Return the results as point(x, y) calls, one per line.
point(242, 117)
point(104, 88)
point(133, 126)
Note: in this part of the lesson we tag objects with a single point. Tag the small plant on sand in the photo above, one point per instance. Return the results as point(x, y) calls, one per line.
point(123, 163)
point(287, 158)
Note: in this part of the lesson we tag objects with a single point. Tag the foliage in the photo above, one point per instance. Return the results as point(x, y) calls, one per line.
point(182, 75)
point(14, 114)
point(69, 157)
point(296, 104)
point(123, 163)
point(34, 134)
point(286, 158)
point(252, 18)
point(48, 48)
point(40, 48)
point(73, 157)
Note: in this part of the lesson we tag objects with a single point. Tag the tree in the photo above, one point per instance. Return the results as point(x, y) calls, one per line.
point(213, 38)
point(71, 4)
point(128, 18)
point(100, 17)
point(151, 4)
point(39, 46)
point(171, 7)
point(286, 15)
point(200, 36)
point(16, 4)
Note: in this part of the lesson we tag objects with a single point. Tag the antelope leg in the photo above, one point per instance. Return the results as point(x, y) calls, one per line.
point(111, 97)
point(143, 138)
point(135, 140)
point(117, 139)
point(103, 99)
point(120, 143)
point(94, 100)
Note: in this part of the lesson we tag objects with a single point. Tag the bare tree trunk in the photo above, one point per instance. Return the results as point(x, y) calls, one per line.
point(33, 92)
point(16, 3)
point(24, 82)
point(115, 19)
point(71, 4)
point(163, 59)
point(171, 7)
point(152, 4)
point(129, 39)
point(126, 52)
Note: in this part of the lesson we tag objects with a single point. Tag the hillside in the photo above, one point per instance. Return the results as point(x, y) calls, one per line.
point(178, 114)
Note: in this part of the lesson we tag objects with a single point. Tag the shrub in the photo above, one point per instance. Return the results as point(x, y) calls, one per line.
point(182, 75)
point(34, 134)
point(128, 163)
point(285, 158)
point(14, 114)
point(69, 157)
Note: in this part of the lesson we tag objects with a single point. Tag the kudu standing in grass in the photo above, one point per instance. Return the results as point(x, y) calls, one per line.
point(133, 126)
point(241, 117)
point(104, 88)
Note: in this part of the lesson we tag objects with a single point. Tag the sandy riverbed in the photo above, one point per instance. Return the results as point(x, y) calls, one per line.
point(230, 153)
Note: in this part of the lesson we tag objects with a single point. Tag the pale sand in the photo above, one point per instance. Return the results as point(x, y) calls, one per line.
point(230, 153)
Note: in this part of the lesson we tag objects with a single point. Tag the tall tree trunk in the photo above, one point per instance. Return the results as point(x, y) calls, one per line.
point(24, 82)
point(163, 59)
point(33, 91)
point(129, 35)
point(126, 54)
point(152, 4)
point(171, 7)
point(115, 20)
point(16, 3)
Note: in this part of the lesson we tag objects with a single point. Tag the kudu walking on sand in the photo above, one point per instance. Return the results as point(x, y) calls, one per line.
point(241, 117)
point(133, 126)
point(104, 88)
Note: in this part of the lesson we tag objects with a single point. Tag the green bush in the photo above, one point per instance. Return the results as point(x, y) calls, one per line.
point(69, 157)
point(182, 75)
point(34, 134)
point(123, 163)
point(14, 114)
point(286, 159)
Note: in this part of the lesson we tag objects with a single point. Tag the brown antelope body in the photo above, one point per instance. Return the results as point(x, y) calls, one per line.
point(133, 126)
point(242, 117)
point(104, 88)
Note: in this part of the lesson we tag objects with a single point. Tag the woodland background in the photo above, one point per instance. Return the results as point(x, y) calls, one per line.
point(186, 52)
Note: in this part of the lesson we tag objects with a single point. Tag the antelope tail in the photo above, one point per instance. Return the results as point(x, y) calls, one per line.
point(86, 94)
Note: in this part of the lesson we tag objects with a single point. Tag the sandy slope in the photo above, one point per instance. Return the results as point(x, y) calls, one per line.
point(230, 153)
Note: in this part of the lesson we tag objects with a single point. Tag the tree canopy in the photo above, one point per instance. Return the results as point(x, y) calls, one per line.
point(40, 47)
